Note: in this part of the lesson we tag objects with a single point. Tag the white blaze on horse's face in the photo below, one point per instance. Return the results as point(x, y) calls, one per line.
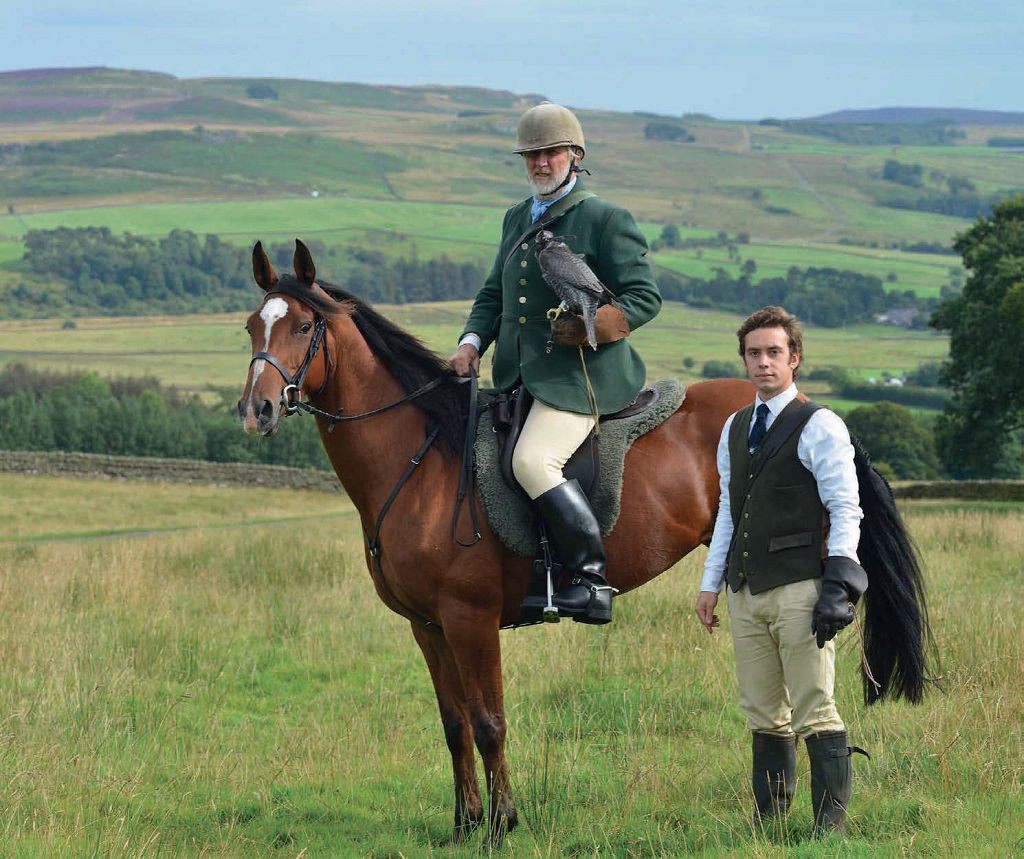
point(274, 310)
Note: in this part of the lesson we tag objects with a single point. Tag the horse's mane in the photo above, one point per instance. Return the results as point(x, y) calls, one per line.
point(405, 357)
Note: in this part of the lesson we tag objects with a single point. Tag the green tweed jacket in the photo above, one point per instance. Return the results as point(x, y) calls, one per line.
point(511, 308)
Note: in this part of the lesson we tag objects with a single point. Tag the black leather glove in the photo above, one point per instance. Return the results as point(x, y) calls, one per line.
point(843, 581)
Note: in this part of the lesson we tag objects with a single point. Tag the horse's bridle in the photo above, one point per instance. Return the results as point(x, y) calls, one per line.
point(293, 384)
point(292, 404)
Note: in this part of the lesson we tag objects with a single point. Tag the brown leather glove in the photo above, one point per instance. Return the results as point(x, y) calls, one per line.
point(609, 325)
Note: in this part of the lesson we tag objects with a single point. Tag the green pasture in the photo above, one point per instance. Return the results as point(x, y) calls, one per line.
point(10, 251)
point(234, 688)
point(925, 274)
point(204, 353)
point(333, 219)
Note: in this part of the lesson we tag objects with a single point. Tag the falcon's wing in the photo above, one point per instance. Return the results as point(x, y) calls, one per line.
point(562, 267)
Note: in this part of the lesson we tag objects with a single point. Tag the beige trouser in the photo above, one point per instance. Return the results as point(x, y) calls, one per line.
point(786, 681)
point(548, 438)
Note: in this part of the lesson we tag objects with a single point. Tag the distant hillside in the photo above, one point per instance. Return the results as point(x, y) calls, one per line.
point(417, 172)
point(121, 95)
point(914, 115)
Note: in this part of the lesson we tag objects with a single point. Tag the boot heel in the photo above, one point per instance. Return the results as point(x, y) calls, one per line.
point(599, 610)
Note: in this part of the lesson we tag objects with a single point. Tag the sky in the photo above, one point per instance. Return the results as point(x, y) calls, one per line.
point(732, 59)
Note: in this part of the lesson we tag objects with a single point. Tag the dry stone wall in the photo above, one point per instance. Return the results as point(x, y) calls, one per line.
point(166, 470)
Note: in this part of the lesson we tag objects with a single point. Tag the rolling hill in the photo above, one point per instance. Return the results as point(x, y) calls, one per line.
point(428, 170)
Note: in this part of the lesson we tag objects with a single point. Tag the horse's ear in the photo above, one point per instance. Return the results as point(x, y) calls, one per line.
point(302, 262)
point(262, 270)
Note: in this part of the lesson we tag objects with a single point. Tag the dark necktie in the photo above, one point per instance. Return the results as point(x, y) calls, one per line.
point(759, 428)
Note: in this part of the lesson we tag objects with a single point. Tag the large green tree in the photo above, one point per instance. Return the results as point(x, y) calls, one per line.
point(892, 436)
point(979, 430)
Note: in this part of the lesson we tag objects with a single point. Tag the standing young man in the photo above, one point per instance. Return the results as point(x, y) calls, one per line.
point(786, 542)
point(510, 311)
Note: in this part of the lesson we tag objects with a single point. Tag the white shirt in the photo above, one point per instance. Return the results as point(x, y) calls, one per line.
point(825, 451)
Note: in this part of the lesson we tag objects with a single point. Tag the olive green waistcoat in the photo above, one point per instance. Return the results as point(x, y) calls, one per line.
point(778, 519)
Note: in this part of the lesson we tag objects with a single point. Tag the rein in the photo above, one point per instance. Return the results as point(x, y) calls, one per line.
point(338, 418)
point(293, 404)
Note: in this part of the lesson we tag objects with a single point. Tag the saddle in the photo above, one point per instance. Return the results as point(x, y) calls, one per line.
point(509, 415)
point(510, 410)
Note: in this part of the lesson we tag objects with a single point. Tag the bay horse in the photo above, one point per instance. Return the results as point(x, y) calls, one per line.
point(392, 418)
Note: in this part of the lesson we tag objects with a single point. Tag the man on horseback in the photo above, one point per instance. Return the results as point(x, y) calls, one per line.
point(569, 389)
point(786, 540)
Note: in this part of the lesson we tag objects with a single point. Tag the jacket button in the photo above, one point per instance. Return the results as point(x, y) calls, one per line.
point(525, 246)
point(522, 320)
point(522, 299)
point(745, 534)
point(746, 515)
point(522, 263)
point(522, 281)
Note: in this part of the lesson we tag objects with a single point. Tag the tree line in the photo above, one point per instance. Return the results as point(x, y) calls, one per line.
point(105, 274)
point(83, 413)
point(935, 191)
point(134, 416)
point(827, 297)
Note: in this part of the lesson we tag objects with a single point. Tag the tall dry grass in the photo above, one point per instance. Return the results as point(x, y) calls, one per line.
point(242, 693)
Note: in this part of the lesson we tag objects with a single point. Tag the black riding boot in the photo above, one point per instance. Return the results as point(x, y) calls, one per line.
point(774, 774)
point(567, 512)
point(831, 780)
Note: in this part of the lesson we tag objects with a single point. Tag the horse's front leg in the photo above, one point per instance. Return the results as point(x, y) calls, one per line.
point(458, 730)
point(476, 647)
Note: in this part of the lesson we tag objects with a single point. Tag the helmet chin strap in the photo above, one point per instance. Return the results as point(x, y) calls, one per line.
point(575, 168)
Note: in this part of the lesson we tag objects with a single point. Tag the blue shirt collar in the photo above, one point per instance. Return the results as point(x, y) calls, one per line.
point(539, 207)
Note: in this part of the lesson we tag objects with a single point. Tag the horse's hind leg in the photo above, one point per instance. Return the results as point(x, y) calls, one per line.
point(458, 730)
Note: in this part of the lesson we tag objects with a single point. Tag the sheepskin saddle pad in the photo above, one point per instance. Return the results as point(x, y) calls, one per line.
point(510, 513)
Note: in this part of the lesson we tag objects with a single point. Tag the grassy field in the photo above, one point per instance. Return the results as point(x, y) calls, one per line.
point(925, 274)
point(235, 689)
point(203, 353)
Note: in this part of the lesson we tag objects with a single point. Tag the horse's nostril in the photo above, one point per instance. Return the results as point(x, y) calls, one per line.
point(266, 413)
point(240, 405)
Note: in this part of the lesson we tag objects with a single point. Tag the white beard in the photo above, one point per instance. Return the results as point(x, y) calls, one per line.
point(543, 185)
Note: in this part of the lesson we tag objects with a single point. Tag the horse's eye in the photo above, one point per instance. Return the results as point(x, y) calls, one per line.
point(305, 327)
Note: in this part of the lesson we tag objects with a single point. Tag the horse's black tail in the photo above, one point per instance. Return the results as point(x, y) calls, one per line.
point(897, 635)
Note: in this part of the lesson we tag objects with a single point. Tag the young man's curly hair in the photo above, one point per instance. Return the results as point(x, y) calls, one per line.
point(775, 317)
